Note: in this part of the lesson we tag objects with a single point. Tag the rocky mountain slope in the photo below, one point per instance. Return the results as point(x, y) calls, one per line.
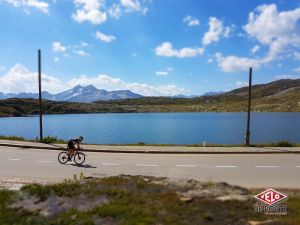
point(77, 94)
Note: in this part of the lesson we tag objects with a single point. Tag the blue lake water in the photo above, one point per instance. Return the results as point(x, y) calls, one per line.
point(164, 128)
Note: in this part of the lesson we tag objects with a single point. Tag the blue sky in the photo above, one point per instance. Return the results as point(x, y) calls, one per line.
point(152, 47)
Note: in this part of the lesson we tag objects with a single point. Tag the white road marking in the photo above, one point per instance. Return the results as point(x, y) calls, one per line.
point(150, 165)
point(266, 166)
point(110, 164)
point(298, 166)
point(44, 161)
point(13, 159)
point(185, 165)
point(226, 166)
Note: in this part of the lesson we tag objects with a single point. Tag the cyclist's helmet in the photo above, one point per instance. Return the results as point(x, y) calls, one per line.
point(80, 138)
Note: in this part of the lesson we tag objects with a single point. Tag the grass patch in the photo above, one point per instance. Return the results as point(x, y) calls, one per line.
point(56, 140)
point(136, 200)
point(41, 192)
point(284, 144)
point(279, 144)
point(47, 139)
point(13, 138)
point(52, 140)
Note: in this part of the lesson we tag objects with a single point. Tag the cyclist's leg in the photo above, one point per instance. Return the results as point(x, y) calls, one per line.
point(71, 153)
point(71, 148)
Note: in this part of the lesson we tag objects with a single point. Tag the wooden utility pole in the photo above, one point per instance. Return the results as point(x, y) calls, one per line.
point(40, 94)
point(247, 134)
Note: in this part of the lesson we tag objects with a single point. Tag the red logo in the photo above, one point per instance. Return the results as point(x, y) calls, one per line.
point(270, 196)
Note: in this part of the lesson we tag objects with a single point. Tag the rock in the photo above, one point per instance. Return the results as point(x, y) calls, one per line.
point(224, 198)
point(15, 187)
point(196, 193)
point(186, 199)
point(74, 217)
point(266, 222)
point(104, 221)
point(54, 205)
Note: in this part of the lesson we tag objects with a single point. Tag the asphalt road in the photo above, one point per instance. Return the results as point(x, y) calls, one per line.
point(248, 170)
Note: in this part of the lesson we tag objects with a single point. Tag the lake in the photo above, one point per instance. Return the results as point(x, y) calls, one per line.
point(159, 128)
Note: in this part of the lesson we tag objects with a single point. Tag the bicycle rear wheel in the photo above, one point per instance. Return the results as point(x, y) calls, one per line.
point(79, 158)
point(63, 157)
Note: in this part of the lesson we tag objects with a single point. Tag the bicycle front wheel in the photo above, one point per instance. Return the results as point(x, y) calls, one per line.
point(63, 157)
point(79, 158)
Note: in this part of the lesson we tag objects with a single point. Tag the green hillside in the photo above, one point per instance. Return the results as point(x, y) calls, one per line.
point(277, 96)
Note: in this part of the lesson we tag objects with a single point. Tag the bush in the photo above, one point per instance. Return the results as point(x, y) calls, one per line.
point(52, 139)
point(284, 144)
point(13, 138)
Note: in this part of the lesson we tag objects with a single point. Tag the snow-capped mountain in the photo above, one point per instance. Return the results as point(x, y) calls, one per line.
point(183, 96)
point(78, 94)
point(213, 93)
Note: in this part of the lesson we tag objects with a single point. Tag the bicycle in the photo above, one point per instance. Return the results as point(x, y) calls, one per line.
point(78, 157)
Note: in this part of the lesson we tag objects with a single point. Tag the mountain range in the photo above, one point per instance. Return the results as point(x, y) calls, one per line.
point(277, 96)
point(90, 94)
point(77, 94)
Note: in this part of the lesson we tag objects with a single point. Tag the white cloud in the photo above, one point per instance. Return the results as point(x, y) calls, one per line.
point(297, 69)
point(109, 83)
point(241, 84)
point(131, 5)
point(81, 53)
point(166, 49)
point(105, 38)
point(210, 60)
point(115, 11)
point(40, 5)
point(90, 10)
point(161, 73)
point(235, 64)
point(296, 55)
point(285, 76)
point(77, 49)
point(191, 21)
point(165, 72)
point(84, 44)
point(20, 79)
point(215, 32)
point(43, 6)
point(97, 11)
point(145, 11)
point(277, 30)
point(227, 31)
point(27, 12)
point(58, 47)
point(255, 49)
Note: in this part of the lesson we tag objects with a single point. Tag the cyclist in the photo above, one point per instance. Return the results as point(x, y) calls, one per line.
point(72, 146)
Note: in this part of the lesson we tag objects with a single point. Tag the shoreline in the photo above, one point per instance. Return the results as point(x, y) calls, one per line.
point(56, 140)
point(145, 112)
